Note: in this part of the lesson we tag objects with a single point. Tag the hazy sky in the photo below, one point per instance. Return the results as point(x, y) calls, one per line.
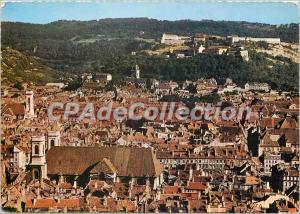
point(272, 13)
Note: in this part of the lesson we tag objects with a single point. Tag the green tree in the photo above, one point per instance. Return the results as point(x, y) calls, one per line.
point(18, 85)
point(148, 84)
point(192, 88)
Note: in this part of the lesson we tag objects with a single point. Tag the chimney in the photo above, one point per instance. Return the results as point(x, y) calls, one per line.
point(158, 195)
point(61, 179)
point(38, 192)
point(75, 183)
point(136, 200)
point(148, 186)
point(191, 173)
point(23, 192)
point(42, 183)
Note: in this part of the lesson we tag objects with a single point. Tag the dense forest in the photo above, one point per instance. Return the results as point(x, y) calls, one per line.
point(102, 39)
point(144, 27)
point(279, 75)
point(91, 39)
point(106, 45)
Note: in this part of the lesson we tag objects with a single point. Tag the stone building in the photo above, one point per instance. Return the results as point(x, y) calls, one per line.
point(78, 165)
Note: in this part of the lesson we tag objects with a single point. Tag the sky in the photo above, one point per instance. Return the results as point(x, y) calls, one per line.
point(271, 13)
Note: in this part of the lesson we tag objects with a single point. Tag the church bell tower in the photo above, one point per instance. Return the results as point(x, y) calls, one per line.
point(137, 72)
point(53, 139)
point(38, 157)
point(29, 105)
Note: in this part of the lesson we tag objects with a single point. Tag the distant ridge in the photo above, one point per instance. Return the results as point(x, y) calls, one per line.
point(65, 29)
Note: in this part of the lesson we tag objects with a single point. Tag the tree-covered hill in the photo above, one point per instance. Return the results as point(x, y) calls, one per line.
point(283, 75)
point(21, 68)
point(280, 75)
point(53, 40)
point(144, 27)
point(106, 45)
point(68, 42)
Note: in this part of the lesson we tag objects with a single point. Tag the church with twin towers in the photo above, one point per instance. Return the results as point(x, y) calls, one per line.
point(50, 159)
point(40, 144)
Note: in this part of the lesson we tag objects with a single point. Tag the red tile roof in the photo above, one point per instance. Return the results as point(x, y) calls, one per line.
point(171, 189)
point(13, 109)
point(196, 186)
point(49, 203)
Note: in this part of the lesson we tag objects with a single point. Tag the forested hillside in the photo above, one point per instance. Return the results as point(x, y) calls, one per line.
point(70, 39)
point(75, 47)
point(148, 28)
point(280, 75)
point(19, 68)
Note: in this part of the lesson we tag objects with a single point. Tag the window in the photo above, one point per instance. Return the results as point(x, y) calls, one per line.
point(36, 174)
point(36, 149)
point(28, 100)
